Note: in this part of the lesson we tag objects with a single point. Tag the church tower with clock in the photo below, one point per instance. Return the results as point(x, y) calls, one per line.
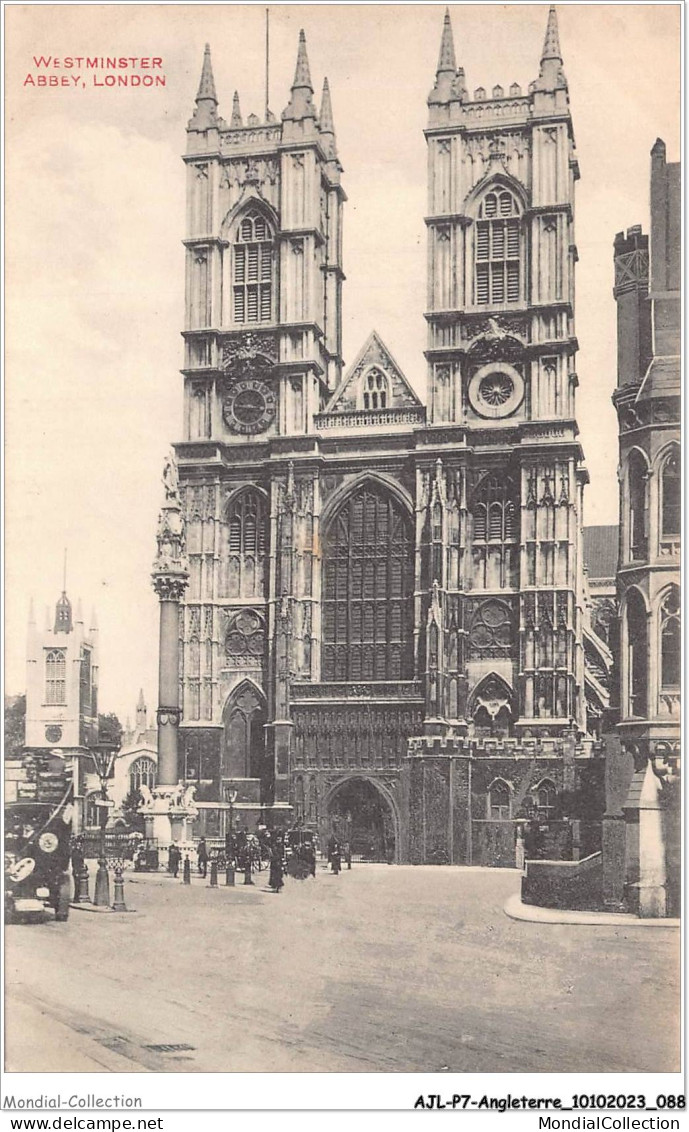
point(383, 630)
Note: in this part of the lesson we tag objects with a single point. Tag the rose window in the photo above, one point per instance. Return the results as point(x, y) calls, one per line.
point(496, 389)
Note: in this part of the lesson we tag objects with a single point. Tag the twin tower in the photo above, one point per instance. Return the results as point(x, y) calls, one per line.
point(372, 577)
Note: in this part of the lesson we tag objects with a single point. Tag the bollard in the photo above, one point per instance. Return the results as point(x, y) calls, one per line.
point(83, 897)
point(214, 873)
point(187, 871)
point(76, 875)
point(102, 894)
point(229, 876)
point(247, 871)
point(118, 903)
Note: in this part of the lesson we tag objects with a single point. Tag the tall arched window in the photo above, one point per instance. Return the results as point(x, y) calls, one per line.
point(671, 497)
point(375, 390)
point(142, 772)
point(637, 655)
point(244, 740)
point(367, 590)
point(497, 250)
point(499, 801)
point(636, 488)
point(544, 796)
point(56, 677)
point(245, 550)
point(670, 641)
point(252, 275)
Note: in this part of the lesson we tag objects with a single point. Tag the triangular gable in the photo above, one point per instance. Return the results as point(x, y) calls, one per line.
point(345, 399)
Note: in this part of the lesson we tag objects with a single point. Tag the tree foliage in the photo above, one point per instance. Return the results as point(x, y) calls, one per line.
point(129, 808)
point(109, 728)
point(15, 718)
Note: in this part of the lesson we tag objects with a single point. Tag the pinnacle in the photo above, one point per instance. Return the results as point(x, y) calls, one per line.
point(551, 46)
point(236, 119)
point(326, 118)
point(300, 105)
point(446, 58)
point(302, 75)
point(207, 84)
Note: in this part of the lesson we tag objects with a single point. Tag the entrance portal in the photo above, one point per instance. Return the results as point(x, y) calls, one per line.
point(359, 813)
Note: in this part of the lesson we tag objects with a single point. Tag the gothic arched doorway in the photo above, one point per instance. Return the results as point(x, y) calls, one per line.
point(359, 812)
point(244, 721)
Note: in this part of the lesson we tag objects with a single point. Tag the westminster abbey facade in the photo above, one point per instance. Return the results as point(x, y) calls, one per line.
point(385, 619)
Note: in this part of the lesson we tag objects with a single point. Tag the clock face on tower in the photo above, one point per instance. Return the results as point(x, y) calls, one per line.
point(249, 406)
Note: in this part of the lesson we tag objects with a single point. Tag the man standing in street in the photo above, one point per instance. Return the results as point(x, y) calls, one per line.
point(202, 855)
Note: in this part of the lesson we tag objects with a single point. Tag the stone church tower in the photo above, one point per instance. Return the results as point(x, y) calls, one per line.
point(502, 382)
point(383, 626)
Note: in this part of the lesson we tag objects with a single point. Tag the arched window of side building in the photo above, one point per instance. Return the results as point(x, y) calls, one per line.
point(671, 497)
point(637, 655)
point(499, 801)
point(637, 476)
point(670, 641)
point(56, 677)
point(142, 772)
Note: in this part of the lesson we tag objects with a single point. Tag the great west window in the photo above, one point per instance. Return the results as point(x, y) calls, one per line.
point(367, 590)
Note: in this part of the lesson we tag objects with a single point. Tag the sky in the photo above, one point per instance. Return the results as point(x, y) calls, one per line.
point(95, 264)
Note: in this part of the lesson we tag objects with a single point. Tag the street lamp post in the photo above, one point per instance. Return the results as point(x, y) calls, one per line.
point(103, 755)
point(229, 858)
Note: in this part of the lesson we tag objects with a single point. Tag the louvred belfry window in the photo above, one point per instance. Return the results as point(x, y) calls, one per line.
point(497, 251)
point(253, 270)
point(367, 590)
point(494, 511)
point(56, 677)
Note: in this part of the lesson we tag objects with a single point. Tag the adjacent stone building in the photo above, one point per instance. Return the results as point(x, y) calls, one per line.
point(642, 827)
point(384, 623)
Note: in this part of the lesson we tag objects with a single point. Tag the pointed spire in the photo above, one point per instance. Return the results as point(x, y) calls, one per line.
point(236, 119)
point(551, 75)
point(551, 45)
point(93, 627)
point(300, 104)
point(302, 74)
point(206, 91)
point(205, 115)
point(446, 59)
point(80, 615)
point(326, 121)
point(141, 703)
point(445, 88)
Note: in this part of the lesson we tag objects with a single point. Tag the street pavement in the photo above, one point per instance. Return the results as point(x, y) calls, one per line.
point(381, 969)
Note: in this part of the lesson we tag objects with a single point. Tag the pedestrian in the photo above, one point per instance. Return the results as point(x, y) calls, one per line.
point(187, 869)
point(202, 855)
point(348, 854)
point(310, 857)
point(331, 847)
point(336, 859)
point(173, 860)
point(275, 876)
